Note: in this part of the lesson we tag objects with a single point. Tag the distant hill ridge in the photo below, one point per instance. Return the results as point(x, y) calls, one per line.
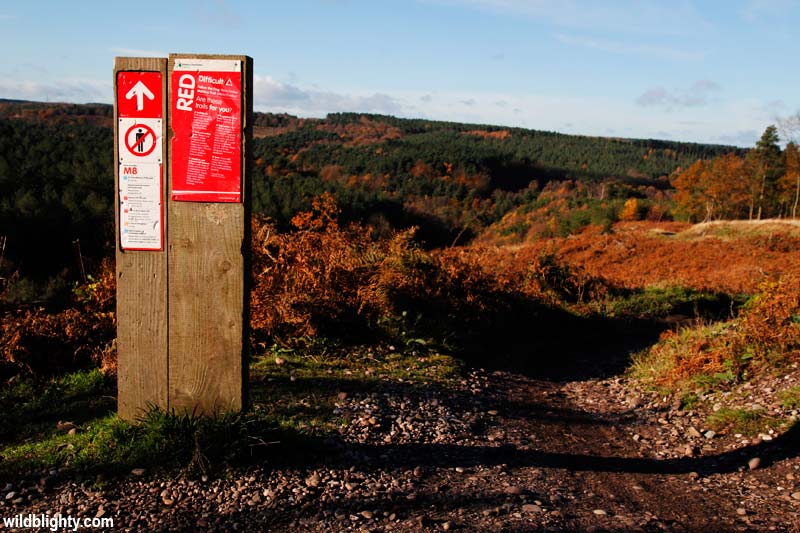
point(450, 180)
point(266, 124)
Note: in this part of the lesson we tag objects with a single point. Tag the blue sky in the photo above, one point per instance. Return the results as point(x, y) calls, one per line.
point(705, 71)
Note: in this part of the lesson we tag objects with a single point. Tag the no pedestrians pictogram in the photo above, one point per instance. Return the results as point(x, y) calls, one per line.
point(140, 140)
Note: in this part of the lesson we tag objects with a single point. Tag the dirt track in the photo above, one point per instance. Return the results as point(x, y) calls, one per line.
point(502, 451)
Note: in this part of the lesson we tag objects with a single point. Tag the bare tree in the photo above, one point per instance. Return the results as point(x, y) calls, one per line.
point(789, 127)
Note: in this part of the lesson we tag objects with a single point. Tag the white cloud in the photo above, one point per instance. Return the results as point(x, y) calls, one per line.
point(138, 52)
point(628, 48)
point(699, 94)
point(730, 122)
point(270, 94)
point(739, 138)
point(65, 90)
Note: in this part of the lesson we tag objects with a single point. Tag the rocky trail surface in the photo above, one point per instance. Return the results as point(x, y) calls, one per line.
point(500, 451)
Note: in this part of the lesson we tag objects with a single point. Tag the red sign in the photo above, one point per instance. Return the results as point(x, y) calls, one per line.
point(140, 177)
point(205, 111)
point(139, 94)
point(140, 140)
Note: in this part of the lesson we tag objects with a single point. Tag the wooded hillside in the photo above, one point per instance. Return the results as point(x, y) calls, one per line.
point(450, 180)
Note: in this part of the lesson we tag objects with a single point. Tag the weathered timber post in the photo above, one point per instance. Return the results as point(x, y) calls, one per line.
point(210, 118)
point(183, 232)
point(140, 109)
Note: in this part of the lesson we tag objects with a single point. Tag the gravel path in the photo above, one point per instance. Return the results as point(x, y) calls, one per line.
point(499, 452)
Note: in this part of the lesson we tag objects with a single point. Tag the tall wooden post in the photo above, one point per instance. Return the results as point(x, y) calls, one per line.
point(141, 259)
point(209, 231)
point(183, 130)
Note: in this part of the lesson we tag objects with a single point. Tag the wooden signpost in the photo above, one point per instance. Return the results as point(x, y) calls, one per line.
point(183, 228)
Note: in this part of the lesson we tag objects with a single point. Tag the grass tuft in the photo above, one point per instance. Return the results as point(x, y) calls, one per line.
point(748, 422)
point(790, 398)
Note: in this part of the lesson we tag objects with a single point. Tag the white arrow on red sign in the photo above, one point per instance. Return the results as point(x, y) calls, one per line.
point(139, 91)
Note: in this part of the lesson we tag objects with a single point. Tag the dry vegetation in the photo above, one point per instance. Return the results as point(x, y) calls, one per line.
point(43, 342)
point(643, 254)
point(327, 280)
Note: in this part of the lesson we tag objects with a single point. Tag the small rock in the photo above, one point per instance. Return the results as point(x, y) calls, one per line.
point(167, 500)
point(367, 514)
point(741, 511)
point(692, 431)
point(531, 508)
point(795, 495)
point(138, 471)
point(418, 471)
point(513, 490)
point(64, 426)
point(312, 481)
point(10, 495)
point(599, 512)
point(280, 361)
point(72, 431)
point(710, 434)
point(754, 463)
point(460, 469)
point(492, 412)
point(447, 525)
point(350, 486)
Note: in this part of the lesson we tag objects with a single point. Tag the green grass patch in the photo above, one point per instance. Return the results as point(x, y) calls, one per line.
point(790, 398)
point(747, 422)
point(415, 362)
point(660, 365)
point(299, 389)
point(658, 302)
point(290, 402)
point(159, 441)
point(690, 400)
point(30, 407)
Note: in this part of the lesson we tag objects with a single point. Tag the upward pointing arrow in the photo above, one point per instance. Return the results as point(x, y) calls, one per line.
point(139, 91)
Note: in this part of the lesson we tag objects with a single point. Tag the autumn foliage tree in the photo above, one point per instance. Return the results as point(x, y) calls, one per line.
point(765, 183)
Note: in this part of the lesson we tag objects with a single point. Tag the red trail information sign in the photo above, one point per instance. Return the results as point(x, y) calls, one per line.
point(205, 104)
point(140, 130)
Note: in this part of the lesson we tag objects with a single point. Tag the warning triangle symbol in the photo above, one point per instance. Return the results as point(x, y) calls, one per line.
point(229, 83)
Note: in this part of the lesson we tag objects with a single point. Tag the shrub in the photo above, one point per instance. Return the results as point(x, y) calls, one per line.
point(767, 332)
point(770, 327)
point(323, 278)
point(36, 341)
